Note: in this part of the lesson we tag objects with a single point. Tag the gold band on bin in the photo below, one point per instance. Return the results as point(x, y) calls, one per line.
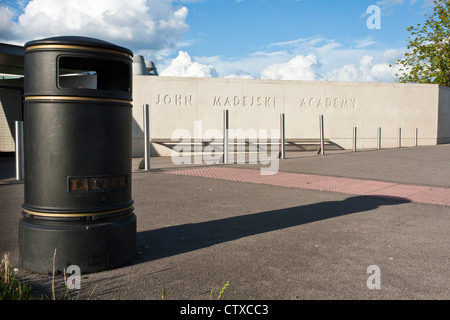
point(76, 98)
point(72, 47)
point(74, 215)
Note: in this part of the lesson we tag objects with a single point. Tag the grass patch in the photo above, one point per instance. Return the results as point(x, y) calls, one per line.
point(10, 286)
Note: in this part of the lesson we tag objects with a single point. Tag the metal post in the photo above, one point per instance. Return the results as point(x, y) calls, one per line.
point(322, 141)
point(19, 150)
point(399, 137)
point(147, 136)
point(416, 137)
point(225, 136)
point(282, 137)
point(379, 138)
point(354, 138)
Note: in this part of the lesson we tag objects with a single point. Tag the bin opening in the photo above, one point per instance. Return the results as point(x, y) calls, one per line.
point(87, 73)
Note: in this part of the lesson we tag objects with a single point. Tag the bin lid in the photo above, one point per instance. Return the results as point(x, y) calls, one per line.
point(79, 41)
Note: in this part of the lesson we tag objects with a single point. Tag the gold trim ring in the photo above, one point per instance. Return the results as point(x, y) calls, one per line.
point(75, 215)
point(61, 98)
point(72, 47)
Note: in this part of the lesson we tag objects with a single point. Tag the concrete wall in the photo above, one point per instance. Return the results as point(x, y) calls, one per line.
point(176, 103)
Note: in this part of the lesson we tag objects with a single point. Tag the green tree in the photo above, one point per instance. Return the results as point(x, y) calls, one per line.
point(428, 57)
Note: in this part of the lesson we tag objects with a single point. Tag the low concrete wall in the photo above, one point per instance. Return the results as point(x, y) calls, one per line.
point(177, 103)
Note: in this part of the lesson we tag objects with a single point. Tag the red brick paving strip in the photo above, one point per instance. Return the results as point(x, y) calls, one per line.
point(414, 193)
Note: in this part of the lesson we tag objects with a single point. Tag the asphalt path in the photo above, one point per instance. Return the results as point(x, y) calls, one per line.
point(195, 234)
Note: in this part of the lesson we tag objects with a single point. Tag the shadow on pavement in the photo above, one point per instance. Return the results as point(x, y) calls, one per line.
point(174, 240)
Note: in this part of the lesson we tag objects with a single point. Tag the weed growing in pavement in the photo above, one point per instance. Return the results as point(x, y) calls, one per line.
point(10, 286)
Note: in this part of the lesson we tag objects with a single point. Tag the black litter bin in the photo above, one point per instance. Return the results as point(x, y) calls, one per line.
point(77, 156)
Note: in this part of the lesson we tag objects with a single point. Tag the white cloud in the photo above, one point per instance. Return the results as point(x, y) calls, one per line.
point(154, 29)
point(364, 42)
point(390, 3)
point(244, 67)
point(136, 24)
point(317, 43)
point(388, 6)
point(336, 62)
point(184, 66)
point(322, 59)
point(240, 74)
point(366, 71)
point(298, 68)
point(6, 15)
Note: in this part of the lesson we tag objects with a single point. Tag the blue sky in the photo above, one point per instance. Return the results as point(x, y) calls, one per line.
point(269, 39)
point(233, 29)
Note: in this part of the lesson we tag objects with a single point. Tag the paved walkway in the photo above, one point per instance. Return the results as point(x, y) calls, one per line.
point(308, 232)
point(413, 193)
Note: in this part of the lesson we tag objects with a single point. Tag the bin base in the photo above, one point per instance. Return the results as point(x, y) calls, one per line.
point(91, 247)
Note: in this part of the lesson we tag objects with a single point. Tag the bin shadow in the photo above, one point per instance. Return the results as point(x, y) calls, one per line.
point(174, 240)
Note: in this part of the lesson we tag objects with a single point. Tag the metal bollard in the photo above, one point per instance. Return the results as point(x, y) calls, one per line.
point(399, 137)
point(225, 136)
point(416, 137)
point(147, 136)
point(379, 138)
point(282, 137)
point(19, 150)
point(354, 138)
point(322, 140)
